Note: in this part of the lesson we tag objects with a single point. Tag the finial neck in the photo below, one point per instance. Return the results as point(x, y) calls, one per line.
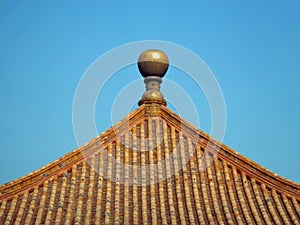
point(152, 94)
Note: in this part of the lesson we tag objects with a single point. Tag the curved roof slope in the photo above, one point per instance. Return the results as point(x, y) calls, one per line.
point(152, 168)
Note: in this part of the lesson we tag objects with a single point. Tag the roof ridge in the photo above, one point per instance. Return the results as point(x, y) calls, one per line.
point(64, 163)
point(240, 157)
point(58, 166)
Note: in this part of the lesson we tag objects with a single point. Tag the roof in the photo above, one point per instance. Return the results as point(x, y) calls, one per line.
point(193, 187)
point(152, 167)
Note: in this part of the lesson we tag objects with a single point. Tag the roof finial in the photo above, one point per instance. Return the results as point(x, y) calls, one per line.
point(153, 65)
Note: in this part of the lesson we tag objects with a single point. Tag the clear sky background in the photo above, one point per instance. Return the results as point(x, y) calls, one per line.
point(253, 49)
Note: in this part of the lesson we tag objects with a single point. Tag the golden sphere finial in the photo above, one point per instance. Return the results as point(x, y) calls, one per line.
point(153, 63)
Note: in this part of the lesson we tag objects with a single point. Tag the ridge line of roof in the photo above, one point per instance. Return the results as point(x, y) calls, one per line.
point(59, 165)
point(245, 160)
point(31, 179)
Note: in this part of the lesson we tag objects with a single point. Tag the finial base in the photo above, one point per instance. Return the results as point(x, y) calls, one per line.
point(152, 101)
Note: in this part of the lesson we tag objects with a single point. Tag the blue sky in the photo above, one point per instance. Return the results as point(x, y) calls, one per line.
point(253, 49)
